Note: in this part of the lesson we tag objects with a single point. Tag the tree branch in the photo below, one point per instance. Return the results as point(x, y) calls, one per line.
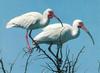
point(27, 61)
point(2, 66)
point(73, 67)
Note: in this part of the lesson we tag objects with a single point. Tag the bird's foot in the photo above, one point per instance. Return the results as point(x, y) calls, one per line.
point(30, 51)
point(35, 43)
point(38, 49)
point(27, 51)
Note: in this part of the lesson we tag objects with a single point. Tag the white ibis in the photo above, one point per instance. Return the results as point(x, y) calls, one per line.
point(58, 35)
point(32, 20)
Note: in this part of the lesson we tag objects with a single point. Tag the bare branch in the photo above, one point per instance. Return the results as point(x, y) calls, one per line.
point(27, 62)
point(12, 64)
point(45, 54)
point(66, 59)
point(50, 68)
point(2, 66)
point(49, 48)
point(77, 59)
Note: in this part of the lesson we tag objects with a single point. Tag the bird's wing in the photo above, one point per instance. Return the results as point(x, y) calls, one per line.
point(52, 33)
point(48, 36)
point(24, 20)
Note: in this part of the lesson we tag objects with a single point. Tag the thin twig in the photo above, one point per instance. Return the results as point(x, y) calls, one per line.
point(2, 66)
point(66, 59)
point(49, 48)
point(27, 61)
point(12, 64)
point(77, 59)
point(50, 68)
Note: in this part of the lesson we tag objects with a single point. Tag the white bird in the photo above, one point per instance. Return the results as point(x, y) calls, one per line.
point(32, 20)
point(55, 34)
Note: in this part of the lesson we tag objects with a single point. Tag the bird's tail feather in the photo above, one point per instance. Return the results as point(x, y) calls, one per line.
point(10, 25)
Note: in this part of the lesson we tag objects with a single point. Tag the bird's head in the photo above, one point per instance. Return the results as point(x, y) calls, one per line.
point(79, 24)
point(50, 14)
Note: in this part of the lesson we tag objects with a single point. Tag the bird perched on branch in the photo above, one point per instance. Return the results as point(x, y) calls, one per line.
point(31, 21)
point(58, 35)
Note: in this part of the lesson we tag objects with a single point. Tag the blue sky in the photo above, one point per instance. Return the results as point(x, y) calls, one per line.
point(12, 40)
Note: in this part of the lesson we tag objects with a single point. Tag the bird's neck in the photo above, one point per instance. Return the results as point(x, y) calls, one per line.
point(75, 31)
point(45, 20)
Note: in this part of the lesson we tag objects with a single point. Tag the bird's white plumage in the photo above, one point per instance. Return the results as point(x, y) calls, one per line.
point(30, 20)
point(24, 20)
point(54, 33)
point(58, 35)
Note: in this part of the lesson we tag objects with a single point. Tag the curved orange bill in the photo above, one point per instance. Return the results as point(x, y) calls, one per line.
point(58, 20)
point(86, 30)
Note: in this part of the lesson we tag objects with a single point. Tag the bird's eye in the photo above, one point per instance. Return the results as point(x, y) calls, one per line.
point(80, 25)
point(50, 12)
point(50, 15)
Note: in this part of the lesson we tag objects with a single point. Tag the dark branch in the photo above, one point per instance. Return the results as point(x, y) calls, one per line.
point(49, 48)
point(27, 62)
point(2, 66)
